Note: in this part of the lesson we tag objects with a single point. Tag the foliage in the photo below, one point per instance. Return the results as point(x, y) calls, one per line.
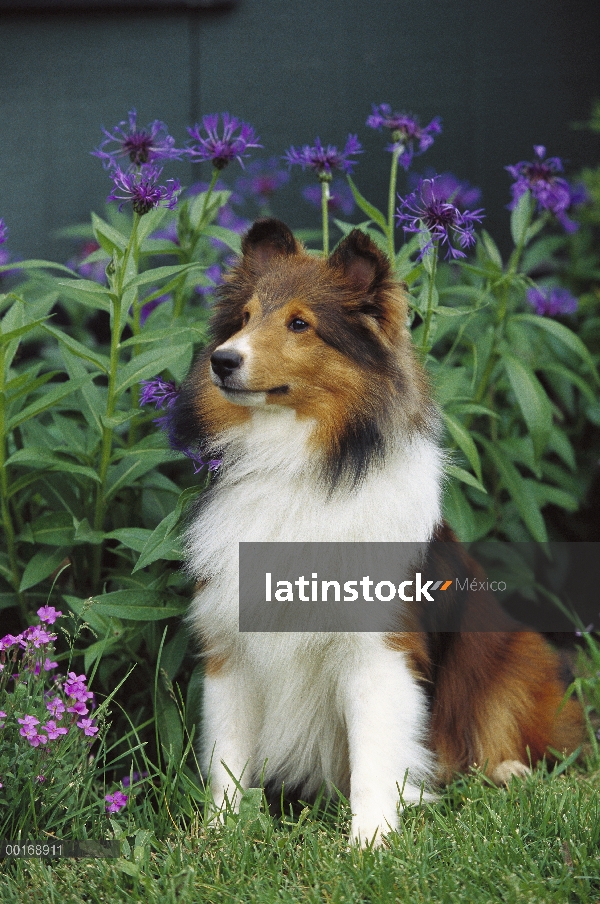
point(91, 494)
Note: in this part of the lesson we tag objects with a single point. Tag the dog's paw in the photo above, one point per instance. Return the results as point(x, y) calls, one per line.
point(508, 769)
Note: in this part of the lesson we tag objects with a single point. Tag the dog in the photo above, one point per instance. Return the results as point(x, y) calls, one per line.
point(313, 396)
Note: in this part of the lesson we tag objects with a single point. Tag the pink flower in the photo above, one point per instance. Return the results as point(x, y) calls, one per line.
point(10, 640)
point(38, 636)
point(78, 707)
point(48, 614)
point(54, 730)
point(56, 707)
point(88, 727)
point(116, 801)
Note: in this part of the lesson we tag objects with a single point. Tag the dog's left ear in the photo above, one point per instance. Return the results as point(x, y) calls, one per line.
point(373, 293)
point(361, 262)
point(267, 239)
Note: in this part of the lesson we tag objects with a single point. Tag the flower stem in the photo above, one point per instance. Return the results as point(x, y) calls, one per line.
point(213, 182)
point(4, 483)
point(429, 312)
point(391, 208)
point(325, 215)
point(112, 396)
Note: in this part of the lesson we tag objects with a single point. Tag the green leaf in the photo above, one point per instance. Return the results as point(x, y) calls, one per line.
point(227, 236)
point(465, 477)
point(491, 248)
point(520, 218)
point(464, 441)
point(164, 541)
point(133, 606)
point(47, 400)
point(544, 493)
point(563, 334)
point(169, 724)
point(532, 400)
point(5, 338)
point(37, 265)
point(82, 351)
point(132, 537)
point(520, 491)
point(42, 564)
point(367, 207)
point(109, 238)
point(130, 468)
point(148, 364)
point(458, 513)
point(157, 274)
point(55, 529)
point(81, 290)
point(151, 221)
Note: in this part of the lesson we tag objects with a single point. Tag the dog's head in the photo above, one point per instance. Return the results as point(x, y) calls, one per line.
point(324, 337)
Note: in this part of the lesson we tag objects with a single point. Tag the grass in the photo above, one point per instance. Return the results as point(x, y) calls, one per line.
point(536, 841)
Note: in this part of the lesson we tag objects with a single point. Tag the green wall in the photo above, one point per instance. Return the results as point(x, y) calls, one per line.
point(502, 75)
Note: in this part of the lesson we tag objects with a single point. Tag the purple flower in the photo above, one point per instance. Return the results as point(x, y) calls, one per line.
point(49, 665)
point(2, 718)
point(10, 640)
point(551, 301)
point(41, 779)
point(550, 191)
point(221, 150)
point(139, 145)
point(428, 211)
point(263, 179)
point(88, 727)
point(158, 392)
point(408, 136)
point(54, 731)
point(141, 188)
point(56, 707)
point(3, 231)
point(38, 636)
point(29, 731)
point(48, 614)
point(324, 160)
point(458, 191)
point(115, 801)
point(341, 199)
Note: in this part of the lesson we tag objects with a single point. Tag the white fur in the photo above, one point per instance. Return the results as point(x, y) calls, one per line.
point(297, 708)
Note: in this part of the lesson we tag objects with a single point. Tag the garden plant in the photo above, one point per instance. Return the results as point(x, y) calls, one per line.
point(99, 688)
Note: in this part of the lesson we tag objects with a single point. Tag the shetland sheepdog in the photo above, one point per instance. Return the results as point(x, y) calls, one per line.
point(311, 393)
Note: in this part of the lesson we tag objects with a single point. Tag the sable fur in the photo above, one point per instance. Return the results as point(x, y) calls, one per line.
point(327, 432)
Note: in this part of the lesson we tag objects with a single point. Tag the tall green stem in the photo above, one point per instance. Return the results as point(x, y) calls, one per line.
point(112, 396)
point(188, 247)
point(429, 312)
point(391, 207)
point(325, 212)
point(6, 514)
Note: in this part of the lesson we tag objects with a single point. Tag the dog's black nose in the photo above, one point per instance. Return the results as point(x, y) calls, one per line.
point(224, 362)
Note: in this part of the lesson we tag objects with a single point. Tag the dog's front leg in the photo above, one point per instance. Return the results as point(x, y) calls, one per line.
point(228, 733)
point(386, 718)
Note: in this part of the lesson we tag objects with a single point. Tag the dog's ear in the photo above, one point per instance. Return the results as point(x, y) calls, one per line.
point(372, 292)
point(361, 262)
point(266, 239)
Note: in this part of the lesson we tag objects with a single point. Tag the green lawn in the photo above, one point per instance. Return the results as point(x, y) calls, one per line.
point(537, 841)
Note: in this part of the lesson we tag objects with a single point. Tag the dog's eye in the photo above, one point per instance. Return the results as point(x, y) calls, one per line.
point(297, 325)
point(245, 317)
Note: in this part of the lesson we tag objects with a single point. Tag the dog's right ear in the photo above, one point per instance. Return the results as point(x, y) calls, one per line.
point(267, 239)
